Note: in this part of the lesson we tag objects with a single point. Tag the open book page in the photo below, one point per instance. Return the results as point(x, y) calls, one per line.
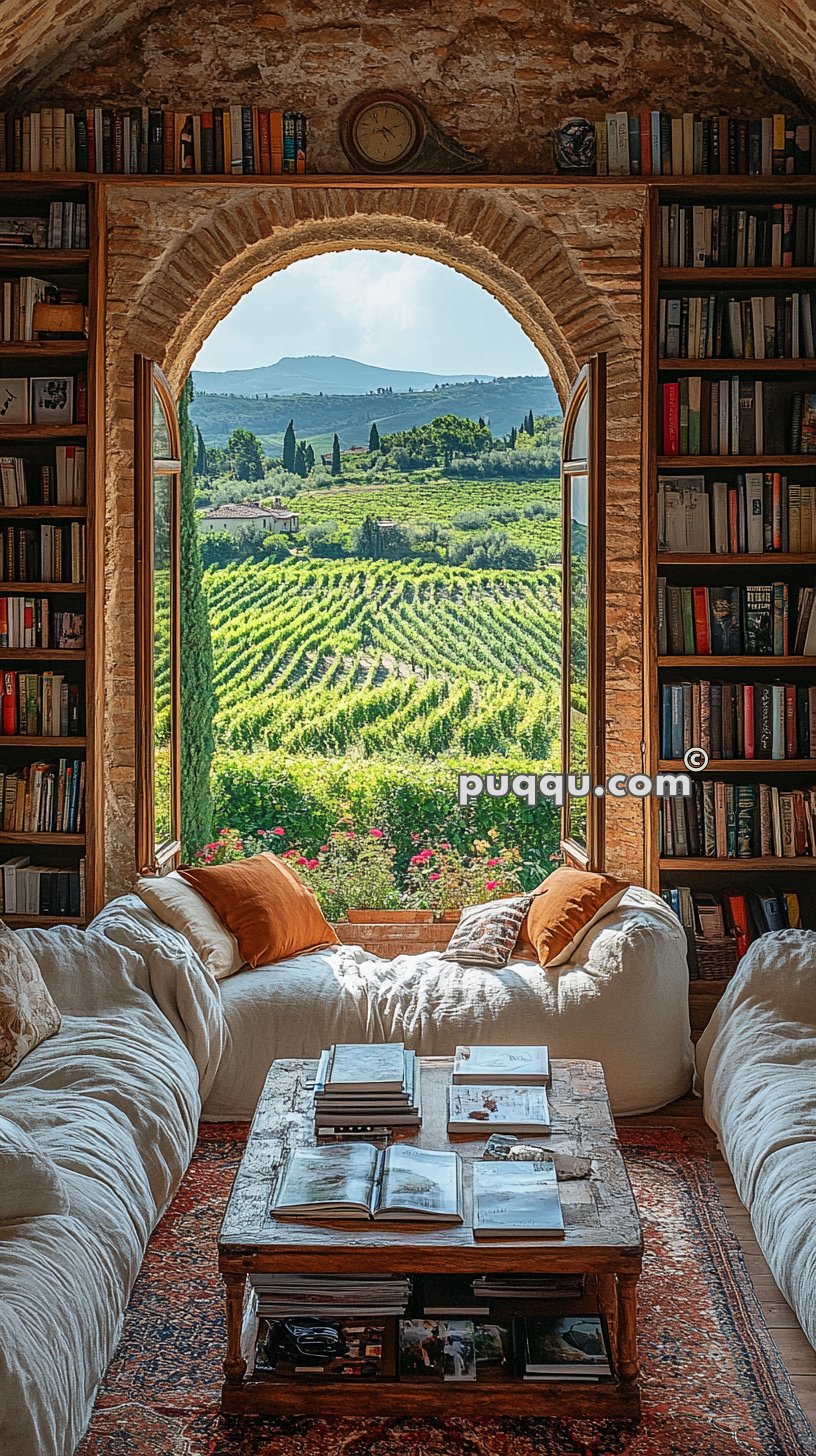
point(337, 1182)
point(418, 1183)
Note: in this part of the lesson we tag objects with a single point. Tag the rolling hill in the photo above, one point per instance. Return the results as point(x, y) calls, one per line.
point(318, 374)
point(502, 403)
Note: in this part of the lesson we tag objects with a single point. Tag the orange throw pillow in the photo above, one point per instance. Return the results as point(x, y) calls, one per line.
point(564, 908)
point(265, 905)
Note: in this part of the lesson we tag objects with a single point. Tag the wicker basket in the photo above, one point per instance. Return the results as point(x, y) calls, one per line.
point(716, 959)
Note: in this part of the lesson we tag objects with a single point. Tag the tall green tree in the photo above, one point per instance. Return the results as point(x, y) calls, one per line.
point(529, 423)
point(201, 453)
point(373, 438)
point(310, 456)
point(245, 455)
point(301, 466)
point(289, 447)
point(197, 696)
point(336, 466)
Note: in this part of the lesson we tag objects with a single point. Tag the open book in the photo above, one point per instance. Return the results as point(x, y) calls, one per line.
point(357, 1180)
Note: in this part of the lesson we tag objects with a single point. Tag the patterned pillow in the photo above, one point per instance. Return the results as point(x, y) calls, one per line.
point(486, 934)
point(27, 1011)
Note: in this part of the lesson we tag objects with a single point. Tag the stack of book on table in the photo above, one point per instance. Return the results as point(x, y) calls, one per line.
point(365, 1091)
point(566, 1347)
point(499, 1089)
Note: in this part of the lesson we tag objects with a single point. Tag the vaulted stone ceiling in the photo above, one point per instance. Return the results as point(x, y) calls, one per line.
point(498, 73)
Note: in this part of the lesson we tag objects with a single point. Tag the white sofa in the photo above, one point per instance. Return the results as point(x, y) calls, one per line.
point(756, 1062)
point(148, 1037)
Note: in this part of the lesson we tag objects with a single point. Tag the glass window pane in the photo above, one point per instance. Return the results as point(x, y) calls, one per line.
point(578, 761)
point(577, 446)
point(163, 486)
point(162, 446)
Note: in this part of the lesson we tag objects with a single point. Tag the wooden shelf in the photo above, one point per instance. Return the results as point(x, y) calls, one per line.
point(736, 558)
point(749, 661)
point(737, 366)
point(43, 349)
point(41, 588)
point(43, 432)
point(48, 513)
point(715, 277)
point(42, 259)
point(44, 922)
point(35, 743)
point(715, 185)
point(30, 836)
point(41, 654)
point(800, 864)
point(736, 462)
point(742, 765)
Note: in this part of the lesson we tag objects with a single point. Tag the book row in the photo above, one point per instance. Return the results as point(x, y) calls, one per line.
point(43, 553)
point(721, 820)
point(40, 705)
point(18, 300)
point(737, 416)
point(738, 720)
point(66, 227)
point(715, 326)
point(745, 916)
point(734, 620)
point(27, 889)
point(29, 622)
point(727, 235)
point(221, 140)
point(44, 797)
point(449, 1348)
point(655, 143)
point(25, 483)
point(760, 512)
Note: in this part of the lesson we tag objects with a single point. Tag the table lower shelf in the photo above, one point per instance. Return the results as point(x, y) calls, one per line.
point(486, 1399)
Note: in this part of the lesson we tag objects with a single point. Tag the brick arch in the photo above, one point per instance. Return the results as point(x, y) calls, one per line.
point(564, 262)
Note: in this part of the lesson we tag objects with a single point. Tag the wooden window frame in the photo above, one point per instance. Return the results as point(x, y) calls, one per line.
point(590, 387)
point(153, 858)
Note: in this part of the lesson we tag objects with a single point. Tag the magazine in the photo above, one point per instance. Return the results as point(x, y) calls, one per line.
point(358, 1180)
point(438, 1349)
point(479, 1108)
point(516, 1200)
point(503, 1064)
point(360, 1067)
point(571, 1346)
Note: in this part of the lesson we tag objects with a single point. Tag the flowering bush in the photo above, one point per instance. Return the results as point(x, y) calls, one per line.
point(442, 878)
point(226, 849)
point(353, 870)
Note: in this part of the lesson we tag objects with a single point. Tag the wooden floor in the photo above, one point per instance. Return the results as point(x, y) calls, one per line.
point(797, 1353)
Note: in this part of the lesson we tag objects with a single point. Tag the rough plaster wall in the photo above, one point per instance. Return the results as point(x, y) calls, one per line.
point(499, 74)
point(566, 262)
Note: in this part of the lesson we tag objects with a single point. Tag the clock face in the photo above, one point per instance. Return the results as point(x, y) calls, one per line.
point(384, 133)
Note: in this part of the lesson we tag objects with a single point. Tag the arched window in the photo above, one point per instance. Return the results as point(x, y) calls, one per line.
point(582, 640)
point(157, 494)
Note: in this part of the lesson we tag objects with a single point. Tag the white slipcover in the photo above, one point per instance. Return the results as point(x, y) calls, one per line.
point(756, 1060)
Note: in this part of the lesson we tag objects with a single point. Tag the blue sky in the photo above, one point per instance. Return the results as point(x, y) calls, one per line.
point(389, 309)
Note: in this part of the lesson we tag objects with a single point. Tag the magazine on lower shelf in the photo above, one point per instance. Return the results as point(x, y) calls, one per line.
point(358, 1180)
point(565, 1347)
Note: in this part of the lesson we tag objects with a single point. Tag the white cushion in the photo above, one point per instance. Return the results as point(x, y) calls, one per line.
point(181, 907)
point(31, 1184)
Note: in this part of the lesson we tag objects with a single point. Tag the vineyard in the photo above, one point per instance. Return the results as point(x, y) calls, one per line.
point(385, 660)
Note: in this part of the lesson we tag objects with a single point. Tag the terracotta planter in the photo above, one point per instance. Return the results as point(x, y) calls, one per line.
point(447, 917)
point(390, 917)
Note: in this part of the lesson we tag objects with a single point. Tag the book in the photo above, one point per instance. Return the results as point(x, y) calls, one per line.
point(516, 1200)
point(363, 1067)
point(441, 1349)
point(502, 1064)
point(482, 1109)
point(563, 1347)
point(358, 1180)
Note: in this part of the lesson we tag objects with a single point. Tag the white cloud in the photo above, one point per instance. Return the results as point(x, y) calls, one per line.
point(391, 309)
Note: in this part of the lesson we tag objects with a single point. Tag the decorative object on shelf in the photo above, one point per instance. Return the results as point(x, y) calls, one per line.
point(574, 145)
point(387, 131)
point(14, 402)
point(52, 400)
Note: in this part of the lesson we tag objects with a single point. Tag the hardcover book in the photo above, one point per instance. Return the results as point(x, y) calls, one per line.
point(516, 1200)
point(483, 1109)
point(513, 1064)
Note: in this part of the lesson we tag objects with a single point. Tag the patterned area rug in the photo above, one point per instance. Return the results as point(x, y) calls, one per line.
point(713, 1381)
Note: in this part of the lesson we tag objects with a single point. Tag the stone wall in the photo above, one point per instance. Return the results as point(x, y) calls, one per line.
point(566, 262)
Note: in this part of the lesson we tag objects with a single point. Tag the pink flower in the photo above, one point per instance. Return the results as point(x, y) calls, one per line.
point(376, 834)
point(280, 832)
point(415, 838)
point(288, 853)
point(312, 863)
point(443, 844)
point(492, 885)
point(491, 863)
point(324, 849)
point(435, 875)
point(302, 860)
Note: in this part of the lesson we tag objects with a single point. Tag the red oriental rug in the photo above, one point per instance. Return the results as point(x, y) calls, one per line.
point(713, 1381)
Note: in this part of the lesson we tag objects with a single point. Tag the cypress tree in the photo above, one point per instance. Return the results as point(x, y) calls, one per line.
point(197, 697)
point(289, 447)
point(201, 453)
point(373, 438)
point(301, 468)
point(529, 424)
point(336, 467)
point(310, 457)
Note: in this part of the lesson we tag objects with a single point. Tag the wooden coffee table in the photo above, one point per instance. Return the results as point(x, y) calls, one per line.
point(603, 1242)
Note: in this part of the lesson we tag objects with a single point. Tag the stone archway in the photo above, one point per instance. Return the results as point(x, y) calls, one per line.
point(565, 262)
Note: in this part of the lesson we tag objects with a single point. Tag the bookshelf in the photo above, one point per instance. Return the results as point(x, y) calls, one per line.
point(740, 673)
point(50, 552)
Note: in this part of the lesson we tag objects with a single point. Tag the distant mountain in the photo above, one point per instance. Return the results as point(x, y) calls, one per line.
point(316, 374)
point(501, 403)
